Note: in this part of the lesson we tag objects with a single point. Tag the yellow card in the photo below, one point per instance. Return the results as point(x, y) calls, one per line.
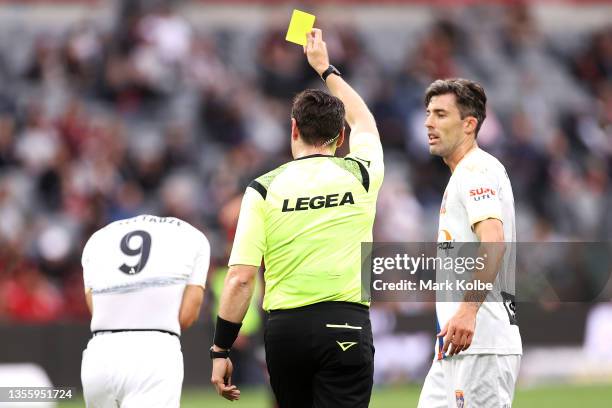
point(301, 24)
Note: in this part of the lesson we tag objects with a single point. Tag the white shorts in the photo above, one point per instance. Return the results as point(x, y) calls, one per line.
point(132, 370)
point(471, 380)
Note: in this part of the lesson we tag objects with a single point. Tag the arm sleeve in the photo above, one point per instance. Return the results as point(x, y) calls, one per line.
point(479, 192)
point(201, 264)
point(366, 148)
point(250, 241)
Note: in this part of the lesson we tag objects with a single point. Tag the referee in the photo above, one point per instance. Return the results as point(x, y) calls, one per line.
point(308, 218)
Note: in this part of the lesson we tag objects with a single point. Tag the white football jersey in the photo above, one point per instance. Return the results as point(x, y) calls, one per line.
point(479, 189)
point(137, 270)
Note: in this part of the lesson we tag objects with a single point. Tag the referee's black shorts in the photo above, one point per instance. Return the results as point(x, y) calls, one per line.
point(320, 355)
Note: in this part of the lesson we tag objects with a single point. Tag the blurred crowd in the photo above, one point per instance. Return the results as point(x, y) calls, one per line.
point(154, 115)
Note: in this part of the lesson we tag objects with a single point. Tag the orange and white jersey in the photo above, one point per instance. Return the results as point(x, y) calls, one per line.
point(480, 189)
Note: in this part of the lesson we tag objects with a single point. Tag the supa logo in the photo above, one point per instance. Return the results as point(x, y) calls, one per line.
point(482, 193)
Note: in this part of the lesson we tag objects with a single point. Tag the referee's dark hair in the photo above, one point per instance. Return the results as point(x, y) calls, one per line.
point(470, 97)
point(319, 116)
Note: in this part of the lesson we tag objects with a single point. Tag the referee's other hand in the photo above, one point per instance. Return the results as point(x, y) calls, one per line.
point(316, 51)
point(222, 369)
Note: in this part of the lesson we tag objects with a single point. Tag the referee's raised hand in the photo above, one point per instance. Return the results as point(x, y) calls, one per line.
point(358, 116)
point(316, 51)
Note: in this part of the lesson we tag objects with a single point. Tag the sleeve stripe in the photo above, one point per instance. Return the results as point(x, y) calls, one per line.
point(255, 185)
point(365, 176)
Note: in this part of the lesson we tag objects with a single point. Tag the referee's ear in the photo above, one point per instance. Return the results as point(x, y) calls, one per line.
point(340, 137)
point(295, 132)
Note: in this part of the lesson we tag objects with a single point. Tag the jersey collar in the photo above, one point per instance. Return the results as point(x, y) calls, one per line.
point(313, 155)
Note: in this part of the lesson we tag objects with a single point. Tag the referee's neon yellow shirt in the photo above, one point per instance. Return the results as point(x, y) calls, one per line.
point(307, 219)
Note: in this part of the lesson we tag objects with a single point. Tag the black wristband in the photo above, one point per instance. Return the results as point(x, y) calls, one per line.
point(226, 333)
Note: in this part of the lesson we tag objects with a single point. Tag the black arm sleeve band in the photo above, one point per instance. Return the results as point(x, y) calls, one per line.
point(226, 333)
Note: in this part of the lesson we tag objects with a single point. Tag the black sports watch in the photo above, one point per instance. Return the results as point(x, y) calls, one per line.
point(218, 354)
point(330, 70)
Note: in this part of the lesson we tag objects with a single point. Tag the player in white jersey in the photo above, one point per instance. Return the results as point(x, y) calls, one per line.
point(144, 283)
point(479, 346)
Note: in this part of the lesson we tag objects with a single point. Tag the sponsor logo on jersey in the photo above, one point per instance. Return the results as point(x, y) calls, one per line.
point(482, 193)
point(314, 203)
point(459, 398)
point(446, 245)
point(445, 240)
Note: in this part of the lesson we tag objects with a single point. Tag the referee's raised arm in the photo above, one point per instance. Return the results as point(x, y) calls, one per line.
point(358, 116)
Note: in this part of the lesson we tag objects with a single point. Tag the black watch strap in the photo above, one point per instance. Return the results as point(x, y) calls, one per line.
point(330, 70)
point(219, 354)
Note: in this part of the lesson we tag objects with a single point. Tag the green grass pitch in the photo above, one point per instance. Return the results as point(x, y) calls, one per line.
point(561, 396)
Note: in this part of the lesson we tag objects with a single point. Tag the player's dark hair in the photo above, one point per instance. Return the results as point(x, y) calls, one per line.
point(319, 116)
point(470, 97)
